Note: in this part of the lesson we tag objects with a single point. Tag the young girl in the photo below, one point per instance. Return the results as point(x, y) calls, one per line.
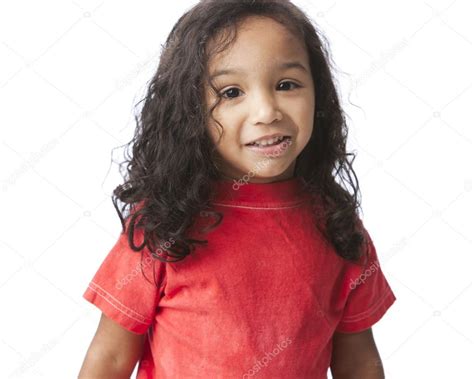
point(241, 255)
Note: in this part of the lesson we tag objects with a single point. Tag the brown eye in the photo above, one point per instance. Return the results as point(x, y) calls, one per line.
point(229, 90)
point(288, 82)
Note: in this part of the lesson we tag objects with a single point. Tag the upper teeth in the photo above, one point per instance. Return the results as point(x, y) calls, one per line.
point(269, 141)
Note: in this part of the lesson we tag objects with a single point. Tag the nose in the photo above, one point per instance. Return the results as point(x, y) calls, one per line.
point(264, 108)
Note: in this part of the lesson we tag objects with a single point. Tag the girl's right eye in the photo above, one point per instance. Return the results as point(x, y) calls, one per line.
point(227, 91)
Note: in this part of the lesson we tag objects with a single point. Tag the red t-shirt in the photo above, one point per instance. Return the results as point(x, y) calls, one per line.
point(262, 299)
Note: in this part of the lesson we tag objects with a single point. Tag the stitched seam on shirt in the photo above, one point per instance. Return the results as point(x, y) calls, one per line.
point(265, 208)
point(126, 310)
point(369, 312)
point(118, 301)
point(113, 305)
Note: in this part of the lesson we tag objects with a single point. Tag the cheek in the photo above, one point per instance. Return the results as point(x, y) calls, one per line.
point(309, 107)
point(223, 140)
point(214, 131)
point(306, 126)
point(303, 116)
point(307, 121)
point(228, 130)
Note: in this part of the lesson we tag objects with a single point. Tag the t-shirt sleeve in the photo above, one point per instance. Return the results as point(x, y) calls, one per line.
point(123, 287)
point(367, 292)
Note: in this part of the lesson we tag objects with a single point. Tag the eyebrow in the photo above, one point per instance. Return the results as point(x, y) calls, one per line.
point(282, 66)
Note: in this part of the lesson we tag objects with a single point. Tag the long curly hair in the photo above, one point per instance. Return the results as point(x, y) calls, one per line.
point(169, 173)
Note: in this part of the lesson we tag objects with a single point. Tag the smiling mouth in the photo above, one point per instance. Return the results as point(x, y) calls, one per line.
point(278, 149)
point(277, 142)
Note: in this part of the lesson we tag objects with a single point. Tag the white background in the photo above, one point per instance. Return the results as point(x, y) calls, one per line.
point(71, 73)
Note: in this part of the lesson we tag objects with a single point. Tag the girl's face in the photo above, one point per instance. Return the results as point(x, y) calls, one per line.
point(263, 95)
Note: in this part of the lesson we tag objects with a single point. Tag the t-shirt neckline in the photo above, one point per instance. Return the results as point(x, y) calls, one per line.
point(279, 193)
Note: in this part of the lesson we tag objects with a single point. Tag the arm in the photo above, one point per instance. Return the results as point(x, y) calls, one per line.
point(113, 352)
point(355, 356)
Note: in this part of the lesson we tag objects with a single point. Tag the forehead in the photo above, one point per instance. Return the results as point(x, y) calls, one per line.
point(261, 43)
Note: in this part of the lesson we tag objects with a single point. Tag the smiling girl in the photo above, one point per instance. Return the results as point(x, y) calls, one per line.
point(260, 263)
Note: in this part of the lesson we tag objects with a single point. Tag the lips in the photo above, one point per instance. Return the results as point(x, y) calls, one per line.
point(268, 140)
point(279, 149)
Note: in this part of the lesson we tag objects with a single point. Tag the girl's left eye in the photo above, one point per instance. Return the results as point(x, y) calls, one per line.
point(235, 88)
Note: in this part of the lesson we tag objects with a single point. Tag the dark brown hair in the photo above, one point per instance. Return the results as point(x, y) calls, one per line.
point(169, 172)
